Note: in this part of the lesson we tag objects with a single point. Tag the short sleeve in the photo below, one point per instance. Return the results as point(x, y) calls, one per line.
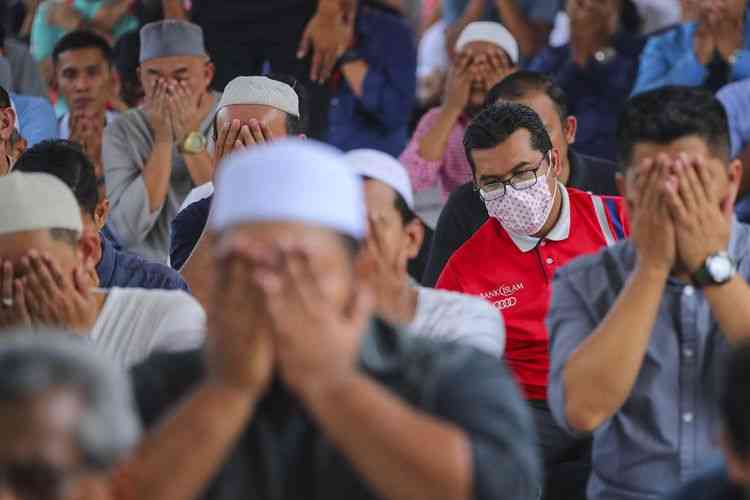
point(182, 326)
point(569, 323)
point(480, 396)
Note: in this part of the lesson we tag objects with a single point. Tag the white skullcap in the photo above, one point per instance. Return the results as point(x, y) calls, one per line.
point(384, 168)
point(289, 180)
point(263, 91)
point(33, 201)
point(487, 31)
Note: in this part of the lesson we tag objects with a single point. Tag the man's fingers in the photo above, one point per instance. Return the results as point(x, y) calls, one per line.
point(54, 271)
point(7, 280)
point(41, 274)
point(267, 134)
point(245, 138)
point(315, 67)
point(685, 188)
point(232, 135)
point(19, 302)
point(256, 131)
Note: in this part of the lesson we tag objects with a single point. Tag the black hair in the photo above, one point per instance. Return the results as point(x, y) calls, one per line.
point(294, 125)
point(4, 98)
point(734, 402)
point(670, 113)
point(524, 83)
point(83, 39)
point(496, 123)
point(66, 161)
point(630, 19)
point(65, 236)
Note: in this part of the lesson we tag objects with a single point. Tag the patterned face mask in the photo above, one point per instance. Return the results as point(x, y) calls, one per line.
point(521, 210)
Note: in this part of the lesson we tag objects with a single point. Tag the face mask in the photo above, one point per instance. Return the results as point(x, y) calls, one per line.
point(522, 212)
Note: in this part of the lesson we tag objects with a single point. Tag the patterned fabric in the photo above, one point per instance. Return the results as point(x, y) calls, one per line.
point(452, 170)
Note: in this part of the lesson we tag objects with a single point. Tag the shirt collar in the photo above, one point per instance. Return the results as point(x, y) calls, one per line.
point(106, 267)
point(559, 232)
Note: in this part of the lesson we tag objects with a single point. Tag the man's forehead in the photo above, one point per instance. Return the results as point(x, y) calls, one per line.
point(85, 55)
point(476, 48)
point(692, 145)
point(174, 63)
point(246, 112)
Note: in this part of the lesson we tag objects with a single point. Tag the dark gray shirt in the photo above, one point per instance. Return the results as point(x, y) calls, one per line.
point(666, 430)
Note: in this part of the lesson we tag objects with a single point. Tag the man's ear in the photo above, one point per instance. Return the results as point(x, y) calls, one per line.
point(90, 246)
point(210, 72)
point(415, 236)
point(7, 123)
point(570, 128)
point(556, 162)
point(734, 181)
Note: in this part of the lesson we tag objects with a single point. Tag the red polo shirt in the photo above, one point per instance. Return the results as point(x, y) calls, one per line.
point(515, 274)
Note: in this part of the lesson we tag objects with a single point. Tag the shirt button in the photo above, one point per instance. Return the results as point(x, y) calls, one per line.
point(687, 417)
point(689, 291)
point(550, 260)
point(687, 352)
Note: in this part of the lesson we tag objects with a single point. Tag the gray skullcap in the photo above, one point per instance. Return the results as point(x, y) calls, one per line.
point(263, 91)
point(171, 38)
point(34, 201)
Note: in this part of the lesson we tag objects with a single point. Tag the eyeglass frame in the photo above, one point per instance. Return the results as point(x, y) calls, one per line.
point(492, 194)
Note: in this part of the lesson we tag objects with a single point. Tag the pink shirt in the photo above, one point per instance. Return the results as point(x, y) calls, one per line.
point(453, 169)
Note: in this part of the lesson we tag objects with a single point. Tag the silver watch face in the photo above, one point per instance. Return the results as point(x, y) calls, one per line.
point(720, 267)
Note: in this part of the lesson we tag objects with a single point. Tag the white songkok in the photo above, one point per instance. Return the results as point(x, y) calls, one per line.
point(260, 90)
point(33, 201)
point(384, 168)
point(487, 31)
point(289, 180)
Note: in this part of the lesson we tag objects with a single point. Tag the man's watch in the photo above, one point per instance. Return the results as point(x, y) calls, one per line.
point(718, 269)
point(194, 143)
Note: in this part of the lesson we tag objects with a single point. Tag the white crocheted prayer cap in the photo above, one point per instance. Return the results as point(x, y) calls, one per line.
point(384, 168)
point(488, 31)
point(289, 180)
point(263, 91)
point(35, 201)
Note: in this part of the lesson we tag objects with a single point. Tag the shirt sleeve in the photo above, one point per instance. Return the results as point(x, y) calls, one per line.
point(659, 69)
point(483, 400)
point(484, 326)
point(423, 173)
point(182, 326)
point(449, 278)
point(36, 119)
point(131, 217)
point(736, 101)
point(569, 323)
point(390, 87)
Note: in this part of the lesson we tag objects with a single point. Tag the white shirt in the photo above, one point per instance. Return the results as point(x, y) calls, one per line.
point(135, 323)
point(197, 194)
point(63, 125)
point(461, 318)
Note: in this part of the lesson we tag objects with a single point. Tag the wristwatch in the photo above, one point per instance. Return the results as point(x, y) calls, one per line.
point(194, 143)
point(718, 269)
point(605, 55)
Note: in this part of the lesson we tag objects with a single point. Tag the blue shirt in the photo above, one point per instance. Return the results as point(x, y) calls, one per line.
point(736, 100)
point(380, 118)
point(714, 484)
point(36, 118)
point(669, 59)
point(126, 270)
point(541, 11)
point(596, 93)
point(665, 432)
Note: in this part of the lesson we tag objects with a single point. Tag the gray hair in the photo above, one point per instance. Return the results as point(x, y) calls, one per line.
point(33, 362)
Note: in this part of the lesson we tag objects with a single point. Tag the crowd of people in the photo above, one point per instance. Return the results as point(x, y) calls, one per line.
point(402, 249)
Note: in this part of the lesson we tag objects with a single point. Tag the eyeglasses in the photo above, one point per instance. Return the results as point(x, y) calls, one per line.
point(520, 181)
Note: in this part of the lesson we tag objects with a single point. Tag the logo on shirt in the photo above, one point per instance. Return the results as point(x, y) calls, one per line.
point(502, 297)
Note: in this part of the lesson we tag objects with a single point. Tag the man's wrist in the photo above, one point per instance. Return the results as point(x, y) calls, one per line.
point(653, 270)
point(230, 392)
point(316, 390)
